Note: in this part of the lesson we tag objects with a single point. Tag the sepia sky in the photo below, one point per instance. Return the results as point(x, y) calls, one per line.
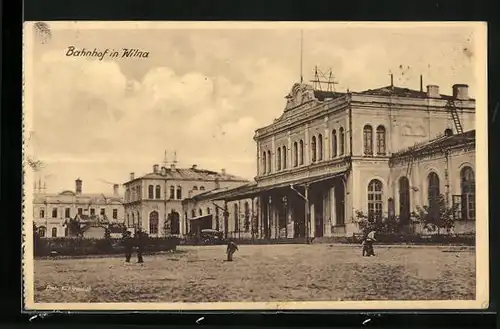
point(203, 92)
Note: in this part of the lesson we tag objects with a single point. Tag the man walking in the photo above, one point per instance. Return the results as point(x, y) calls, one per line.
point(127, 243)
point(231, 249)
point(368, 244)
point(140, 246)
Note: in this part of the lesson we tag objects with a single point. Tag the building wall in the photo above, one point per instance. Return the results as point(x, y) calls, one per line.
point(61, 202)
point(164, 205)
point(406, 121)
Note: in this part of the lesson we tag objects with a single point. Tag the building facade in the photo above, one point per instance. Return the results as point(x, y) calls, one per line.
point(330, 155)
point(52, 210)
point(153, 202)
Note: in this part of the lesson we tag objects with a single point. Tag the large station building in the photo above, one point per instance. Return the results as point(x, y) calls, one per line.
point(329, 155)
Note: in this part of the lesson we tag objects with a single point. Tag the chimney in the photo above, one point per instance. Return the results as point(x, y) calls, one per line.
point(460, 91)
point(156, 169)
point(433, 91)
point(78, 186)
point(195, 166)
point(223, 171)
point(217, 184)
point(421, 83)
point(115, 189)
point(132, 176)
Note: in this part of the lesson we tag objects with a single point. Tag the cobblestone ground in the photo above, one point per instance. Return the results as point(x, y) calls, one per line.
point(263, 273)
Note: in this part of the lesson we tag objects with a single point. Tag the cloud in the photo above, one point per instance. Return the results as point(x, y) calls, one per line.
point(203, 93)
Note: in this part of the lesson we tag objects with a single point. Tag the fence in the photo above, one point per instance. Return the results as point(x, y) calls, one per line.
point(90, 246)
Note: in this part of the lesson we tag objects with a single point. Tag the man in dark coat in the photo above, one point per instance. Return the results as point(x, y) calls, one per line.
point(140, 246)
point(231, 249)
point(127, 243)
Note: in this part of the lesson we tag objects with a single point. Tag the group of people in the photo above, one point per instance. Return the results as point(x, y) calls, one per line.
point(130, 242)
point(138, 241)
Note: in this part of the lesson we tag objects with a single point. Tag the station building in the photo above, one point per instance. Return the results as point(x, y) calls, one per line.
point(382, 151)
point(153, 202)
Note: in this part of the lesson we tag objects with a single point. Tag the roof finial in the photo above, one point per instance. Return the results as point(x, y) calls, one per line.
point(421, 83)
point(392, 80)
point(165, 159)
point(301, 54)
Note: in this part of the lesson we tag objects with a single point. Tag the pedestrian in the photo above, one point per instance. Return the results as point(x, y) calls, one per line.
point(368, 244)
point(140, 246)
point(231, 249)
point(127, 243)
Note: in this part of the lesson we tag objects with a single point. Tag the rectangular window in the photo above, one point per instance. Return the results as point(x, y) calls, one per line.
point(54, 212)
point(67, 213)
point(92, 211)
point(103, 212)
point(115, 213)
point(42, 213)
point(80, 211)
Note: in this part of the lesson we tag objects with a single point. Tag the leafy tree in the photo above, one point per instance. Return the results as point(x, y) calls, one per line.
point(436, 217)
point(390, 224)
point(74, 227)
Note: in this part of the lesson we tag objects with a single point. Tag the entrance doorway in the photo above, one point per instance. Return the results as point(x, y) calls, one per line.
point(318, 214)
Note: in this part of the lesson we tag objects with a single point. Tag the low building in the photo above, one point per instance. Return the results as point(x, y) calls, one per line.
point(153, 202)
point(52, 210)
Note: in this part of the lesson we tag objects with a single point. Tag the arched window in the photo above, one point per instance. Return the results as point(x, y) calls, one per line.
point(208, 211)
point(320, 147)
point(375, 200)
point(334, 143)
point(54, 232)
point(195, 188)
point(341, 141)
point(175, 226)
point(200, 212)
point(278, 159)
point(202, 188)
point(433, 194)
point(42, 231)
point(295, 154)
point(246, 223)
point(380, 140)
point(158, 192)
point(313, 149)
point(236, 218)
point(193, 213)
point(138, 215)
point(468, 191)
point(151, 192)
point(179, 193)
point(301, 152)
point(128, 220)
point(264, 163)
point(404, 200)
point(153, 222)
point(172, 192)
point(448, 132)
point(133, 220)
point(368, 140)
point(269, 169)
point(284, 157)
